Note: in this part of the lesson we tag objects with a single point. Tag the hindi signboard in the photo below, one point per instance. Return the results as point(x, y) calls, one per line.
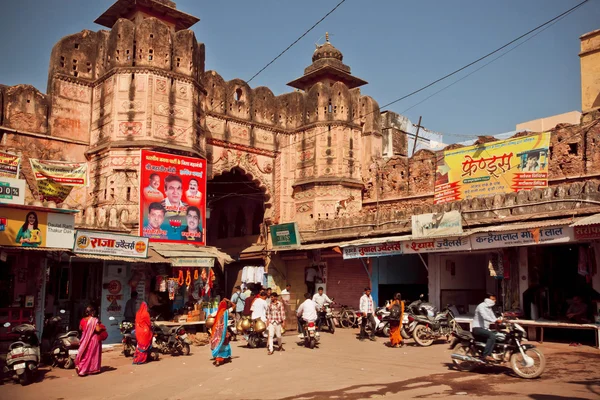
point(9, 165)
point(34, 227)
point(12, 191)
point(498, 240)
point(285, 235)
point(587, 232)
point(436, 245)
point(110, 244)
point(56, 179)
point(193, 262)
point(446, 224)
point(172, 198)
point(372, 250)
point(493, 168)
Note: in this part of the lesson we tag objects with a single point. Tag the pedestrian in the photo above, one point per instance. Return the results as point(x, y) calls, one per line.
point(89, 357)
point(269, 291)
point(220, 336)
point(131, 307)
point(259, 307)
point(396, 308)
point(143, 335)
point(311, 277)
point(286, 293)
point(275, 321)
point(367, 309)
point(238, 299)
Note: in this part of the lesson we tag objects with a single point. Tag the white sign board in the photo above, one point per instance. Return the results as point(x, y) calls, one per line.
point(110, 244)
point(496, 240)
point(437, 225)
point(12, 191)
point(193, 262)
point(60, 231)
point(376, 250)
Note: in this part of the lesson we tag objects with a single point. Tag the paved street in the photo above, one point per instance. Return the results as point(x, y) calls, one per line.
point(342, 368)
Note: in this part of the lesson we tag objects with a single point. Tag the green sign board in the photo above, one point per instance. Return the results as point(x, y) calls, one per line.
point(285, 235)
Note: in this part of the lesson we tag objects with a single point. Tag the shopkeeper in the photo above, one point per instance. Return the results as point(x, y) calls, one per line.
point(154, 303)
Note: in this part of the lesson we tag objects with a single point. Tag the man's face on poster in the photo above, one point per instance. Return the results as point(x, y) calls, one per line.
point(193, 188)
point(174, 192)
point(192, 220)
point(156, 218)
point(155, 182)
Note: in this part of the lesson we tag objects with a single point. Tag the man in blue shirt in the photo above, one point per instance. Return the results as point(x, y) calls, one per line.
point(238, 298)
point(484, 317)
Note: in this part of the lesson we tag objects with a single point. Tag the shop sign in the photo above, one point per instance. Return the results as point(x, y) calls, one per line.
point(9, 165)
point(193, 262)
point(285, 235)
point(36, 228)
point(436, 245)
point(439, 224)
point(12, 191)
point(110, 244)
point(375, 250)
point(488, 169)
point(56, 179)
point(495, 240)
point(172, 198)
point(587, 232)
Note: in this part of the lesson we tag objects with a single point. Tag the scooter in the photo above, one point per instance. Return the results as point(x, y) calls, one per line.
point(129, 341)
point(65, 346)
point(429, 328)
point(382, 323)
point(23, 356)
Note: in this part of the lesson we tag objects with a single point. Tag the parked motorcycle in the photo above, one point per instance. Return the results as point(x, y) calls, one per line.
point(526, 360)
point(23, 357)
point(64, 347)
point(256, 334)
point(170, 340)
point(428, 329)
point(129, 341)
point(415, 308)
point(310, 336)
point(325, 318)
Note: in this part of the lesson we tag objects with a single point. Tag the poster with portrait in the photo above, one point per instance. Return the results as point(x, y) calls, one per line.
point(35, 227)
point(172, 198)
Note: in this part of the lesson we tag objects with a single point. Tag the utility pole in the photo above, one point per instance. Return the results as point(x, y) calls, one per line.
point(416, 137)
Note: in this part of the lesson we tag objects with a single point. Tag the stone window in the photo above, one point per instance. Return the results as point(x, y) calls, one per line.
point(76, 45)
point(573, 148)
point(238, 94)
point(62, 61)
point(240, 223)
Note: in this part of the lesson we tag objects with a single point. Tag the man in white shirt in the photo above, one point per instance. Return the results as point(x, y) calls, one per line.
point(307, 312)
point(320, 298)
point(286, 294)
point(259, 308)
point(311, 277)
point(483, 318)
point(367, 309)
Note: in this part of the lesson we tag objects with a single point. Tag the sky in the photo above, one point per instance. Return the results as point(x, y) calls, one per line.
point(397, 46)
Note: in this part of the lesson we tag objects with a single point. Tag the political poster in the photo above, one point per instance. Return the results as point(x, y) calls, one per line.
point(172, 198)
point(9, 165)
point(493, 168)
point(56, 179)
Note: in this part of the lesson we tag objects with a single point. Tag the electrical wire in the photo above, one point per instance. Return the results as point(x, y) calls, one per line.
point(296, 41)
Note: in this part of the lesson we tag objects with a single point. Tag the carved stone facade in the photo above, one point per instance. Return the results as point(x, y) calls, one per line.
point(315, 153)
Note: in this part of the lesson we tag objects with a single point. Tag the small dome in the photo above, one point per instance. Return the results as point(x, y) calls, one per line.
point(327, 50)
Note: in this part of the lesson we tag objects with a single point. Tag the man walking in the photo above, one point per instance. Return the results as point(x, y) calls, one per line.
point(275, 321)
point(367, 309)
point(238, 298)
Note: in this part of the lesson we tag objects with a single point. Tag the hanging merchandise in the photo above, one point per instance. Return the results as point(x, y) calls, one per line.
point(163, 284)
point(204, 275)
point(188, 278)
point(172, 284)
point(196, 274)
point(180, 278)
point(159, 280)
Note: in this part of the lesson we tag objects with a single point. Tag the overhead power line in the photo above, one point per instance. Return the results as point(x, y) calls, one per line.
point(296, 41)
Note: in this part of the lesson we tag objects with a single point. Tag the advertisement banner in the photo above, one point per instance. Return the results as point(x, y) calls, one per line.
point(436, 245)
point(9, 165)
point(110, 244)
point(493, 168)
point(285, 235)
point(498, 240)
point(12, 191)
point(36, 228)
point(56, 179)
point(172, 198)
point(439, 224)
point(376, 250)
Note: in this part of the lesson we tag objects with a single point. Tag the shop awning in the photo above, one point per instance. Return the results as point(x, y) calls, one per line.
point(153, 257)
point(177, 253)
point(254, 251)
point(521, 226)
point(591, 220)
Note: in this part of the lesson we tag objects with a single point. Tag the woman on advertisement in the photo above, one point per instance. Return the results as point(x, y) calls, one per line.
point(29, 235)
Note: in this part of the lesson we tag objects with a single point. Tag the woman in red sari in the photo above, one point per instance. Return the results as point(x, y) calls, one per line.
point(143, 335)
point(89, 357)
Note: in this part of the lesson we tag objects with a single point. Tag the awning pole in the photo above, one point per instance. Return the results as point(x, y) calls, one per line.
point(423, 260)
point(366, 268)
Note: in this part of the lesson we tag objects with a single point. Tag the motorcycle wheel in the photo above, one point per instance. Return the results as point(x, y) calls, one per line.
point(185, 349)
point(69, 363)
point(25, 378)
point(128, 350)
point(420, 336)
point(253, 341)
point(386, 330)
point(312, 343)
point(331, 327)
point(539, 364)
point(404, 334)
point(464, 350)
point(154, 355)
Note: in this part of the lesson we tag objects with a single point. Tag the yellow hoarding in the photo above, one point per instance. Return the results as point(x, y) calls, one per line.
point(35, 227)
point(504, 166)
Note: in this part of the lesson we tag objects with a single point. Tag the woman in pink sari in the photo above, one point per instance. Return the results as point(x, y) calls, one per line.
point(89, 358)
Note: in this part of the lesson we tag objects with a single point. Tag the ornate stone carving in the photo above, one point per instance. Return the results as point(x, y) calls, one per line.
point(130, 128)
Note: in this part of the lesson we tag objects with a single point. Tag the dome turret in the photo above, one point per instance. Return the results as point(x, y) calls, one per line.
point(327, 50)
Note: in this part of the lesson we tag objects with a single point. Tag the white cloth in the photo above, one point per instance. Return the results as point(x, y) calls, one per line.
point(274, 330)
point(245, 275)
point(308, 310)
point(259, 309)
point(321, 300)
point(259, 275)
point(285, 296)
point(484, 315)
point(366, 304)
point(285, 291)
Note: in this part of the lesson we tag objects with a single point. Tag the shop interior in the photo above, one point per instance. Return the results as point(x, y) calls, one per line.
point(405, 274)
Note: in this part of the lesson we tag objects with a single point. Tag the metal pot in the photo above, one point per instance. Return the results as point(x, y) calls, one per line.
point(259, 326)
point(210, 321)
point(245, 324)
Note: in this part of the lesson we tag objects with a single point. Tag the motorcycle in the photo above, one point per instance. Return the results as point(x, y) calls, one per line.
point(257, 335)
point(129, 341)
point(526, 360)
point(170, 340)
point(65, 346)
point(325, 318)
point(429, 328)
point(23, 356)
point(310, 336)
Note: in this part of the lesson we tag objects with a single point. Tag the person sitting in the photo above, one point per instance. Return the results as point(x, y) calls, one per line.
point(577, 311)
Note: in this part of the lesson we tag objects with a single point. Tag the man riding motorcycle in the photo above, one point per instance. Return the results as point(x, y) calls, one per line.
point(307, 312)
point(321, 299)
point(484, 317)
